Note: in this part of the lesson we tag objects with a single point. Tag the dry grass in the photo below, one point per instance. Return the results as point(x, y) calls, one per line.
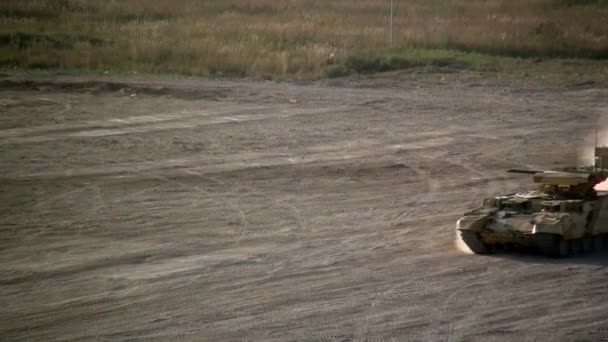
point(288, 38)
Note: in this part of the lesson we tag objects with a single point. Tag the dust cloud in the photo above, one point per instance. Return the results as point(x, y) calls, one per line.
point(460, 245)
point(597, 137)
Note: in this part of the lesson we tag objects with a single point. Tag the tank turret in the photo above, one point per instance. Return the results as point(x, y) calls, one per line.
point(568, 183)
point(601, 157)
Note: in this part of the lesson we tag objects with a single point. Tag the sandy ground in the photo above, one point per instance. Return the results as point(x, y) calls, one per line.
point(216, 210)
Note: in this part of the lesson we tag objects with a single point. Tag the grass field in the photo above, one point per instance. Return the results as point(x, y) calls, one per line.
point(303, 39)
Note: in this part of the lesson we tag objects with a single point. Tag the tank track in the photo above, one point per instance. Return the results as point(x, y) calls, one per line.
point(551, 245)
point(474, 242)
point(555, 246)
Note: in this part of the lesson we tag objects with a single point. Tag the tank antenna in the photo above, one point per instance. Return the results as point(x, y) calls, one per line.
point(596, 136)
point(595, 151)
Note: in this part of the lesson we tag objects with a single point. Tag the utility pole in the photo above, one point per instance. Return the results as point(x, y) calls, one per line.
point(390, 38)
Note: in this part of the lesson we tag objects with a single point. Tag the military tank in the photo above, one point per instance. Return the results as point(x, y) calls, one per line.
point(564, 216)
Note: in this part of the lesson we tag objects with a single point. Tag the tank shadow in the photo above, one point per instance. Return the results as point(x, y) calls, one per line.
point(535, 257)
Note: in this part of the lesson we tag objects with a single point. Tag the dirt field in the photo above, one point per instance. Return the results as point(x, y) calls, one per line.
point(151, 209)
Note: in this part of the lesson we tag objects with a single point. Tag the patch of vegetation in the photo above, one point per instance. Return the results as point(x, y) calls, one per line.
point(368, 65)
point(542, 34)
point(298, 39)
point(8, 62)
point(39, 10)
point(141, 17)
point(43, 66)
point(23, 40)
point(570, 3)
point(404, 58)
point(34, 13)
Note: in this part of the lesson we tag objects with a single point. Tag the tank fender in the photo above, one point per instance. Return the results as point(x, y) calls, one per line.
point(472, 223)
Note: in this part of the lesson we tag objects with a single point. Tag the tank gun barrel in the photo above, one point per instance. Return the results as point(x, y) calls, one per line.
point(529, 172)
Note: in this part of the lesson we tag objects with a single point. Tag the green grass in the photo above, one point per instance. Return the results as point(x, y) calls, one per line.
point(304, 39)
point(403, 58)
point(571, 70)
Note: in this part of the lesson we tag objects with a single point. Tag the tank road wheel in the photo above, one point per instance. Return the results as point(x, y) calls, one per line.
point(576, 246)
point(474, 242)
point(598, 243)
point(553, 245)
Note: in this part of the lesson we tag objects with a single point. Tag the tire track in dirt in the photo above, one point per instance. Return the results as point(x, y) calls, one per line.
point(431, 187)
point(232, 162)
point(486, 182)
point(149, 123)
point(339, 238)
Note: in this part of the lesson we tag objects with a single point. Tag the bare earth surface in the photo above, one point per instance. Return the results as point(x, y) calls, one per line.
point(218, 210)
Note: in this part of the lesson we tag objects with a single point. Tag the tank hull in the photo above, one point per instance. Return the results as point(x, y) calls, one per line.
point(580, 227)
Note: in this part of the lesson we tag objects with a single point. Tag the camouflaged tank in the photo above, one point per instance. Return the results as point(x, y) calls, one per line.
point(564, 216)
